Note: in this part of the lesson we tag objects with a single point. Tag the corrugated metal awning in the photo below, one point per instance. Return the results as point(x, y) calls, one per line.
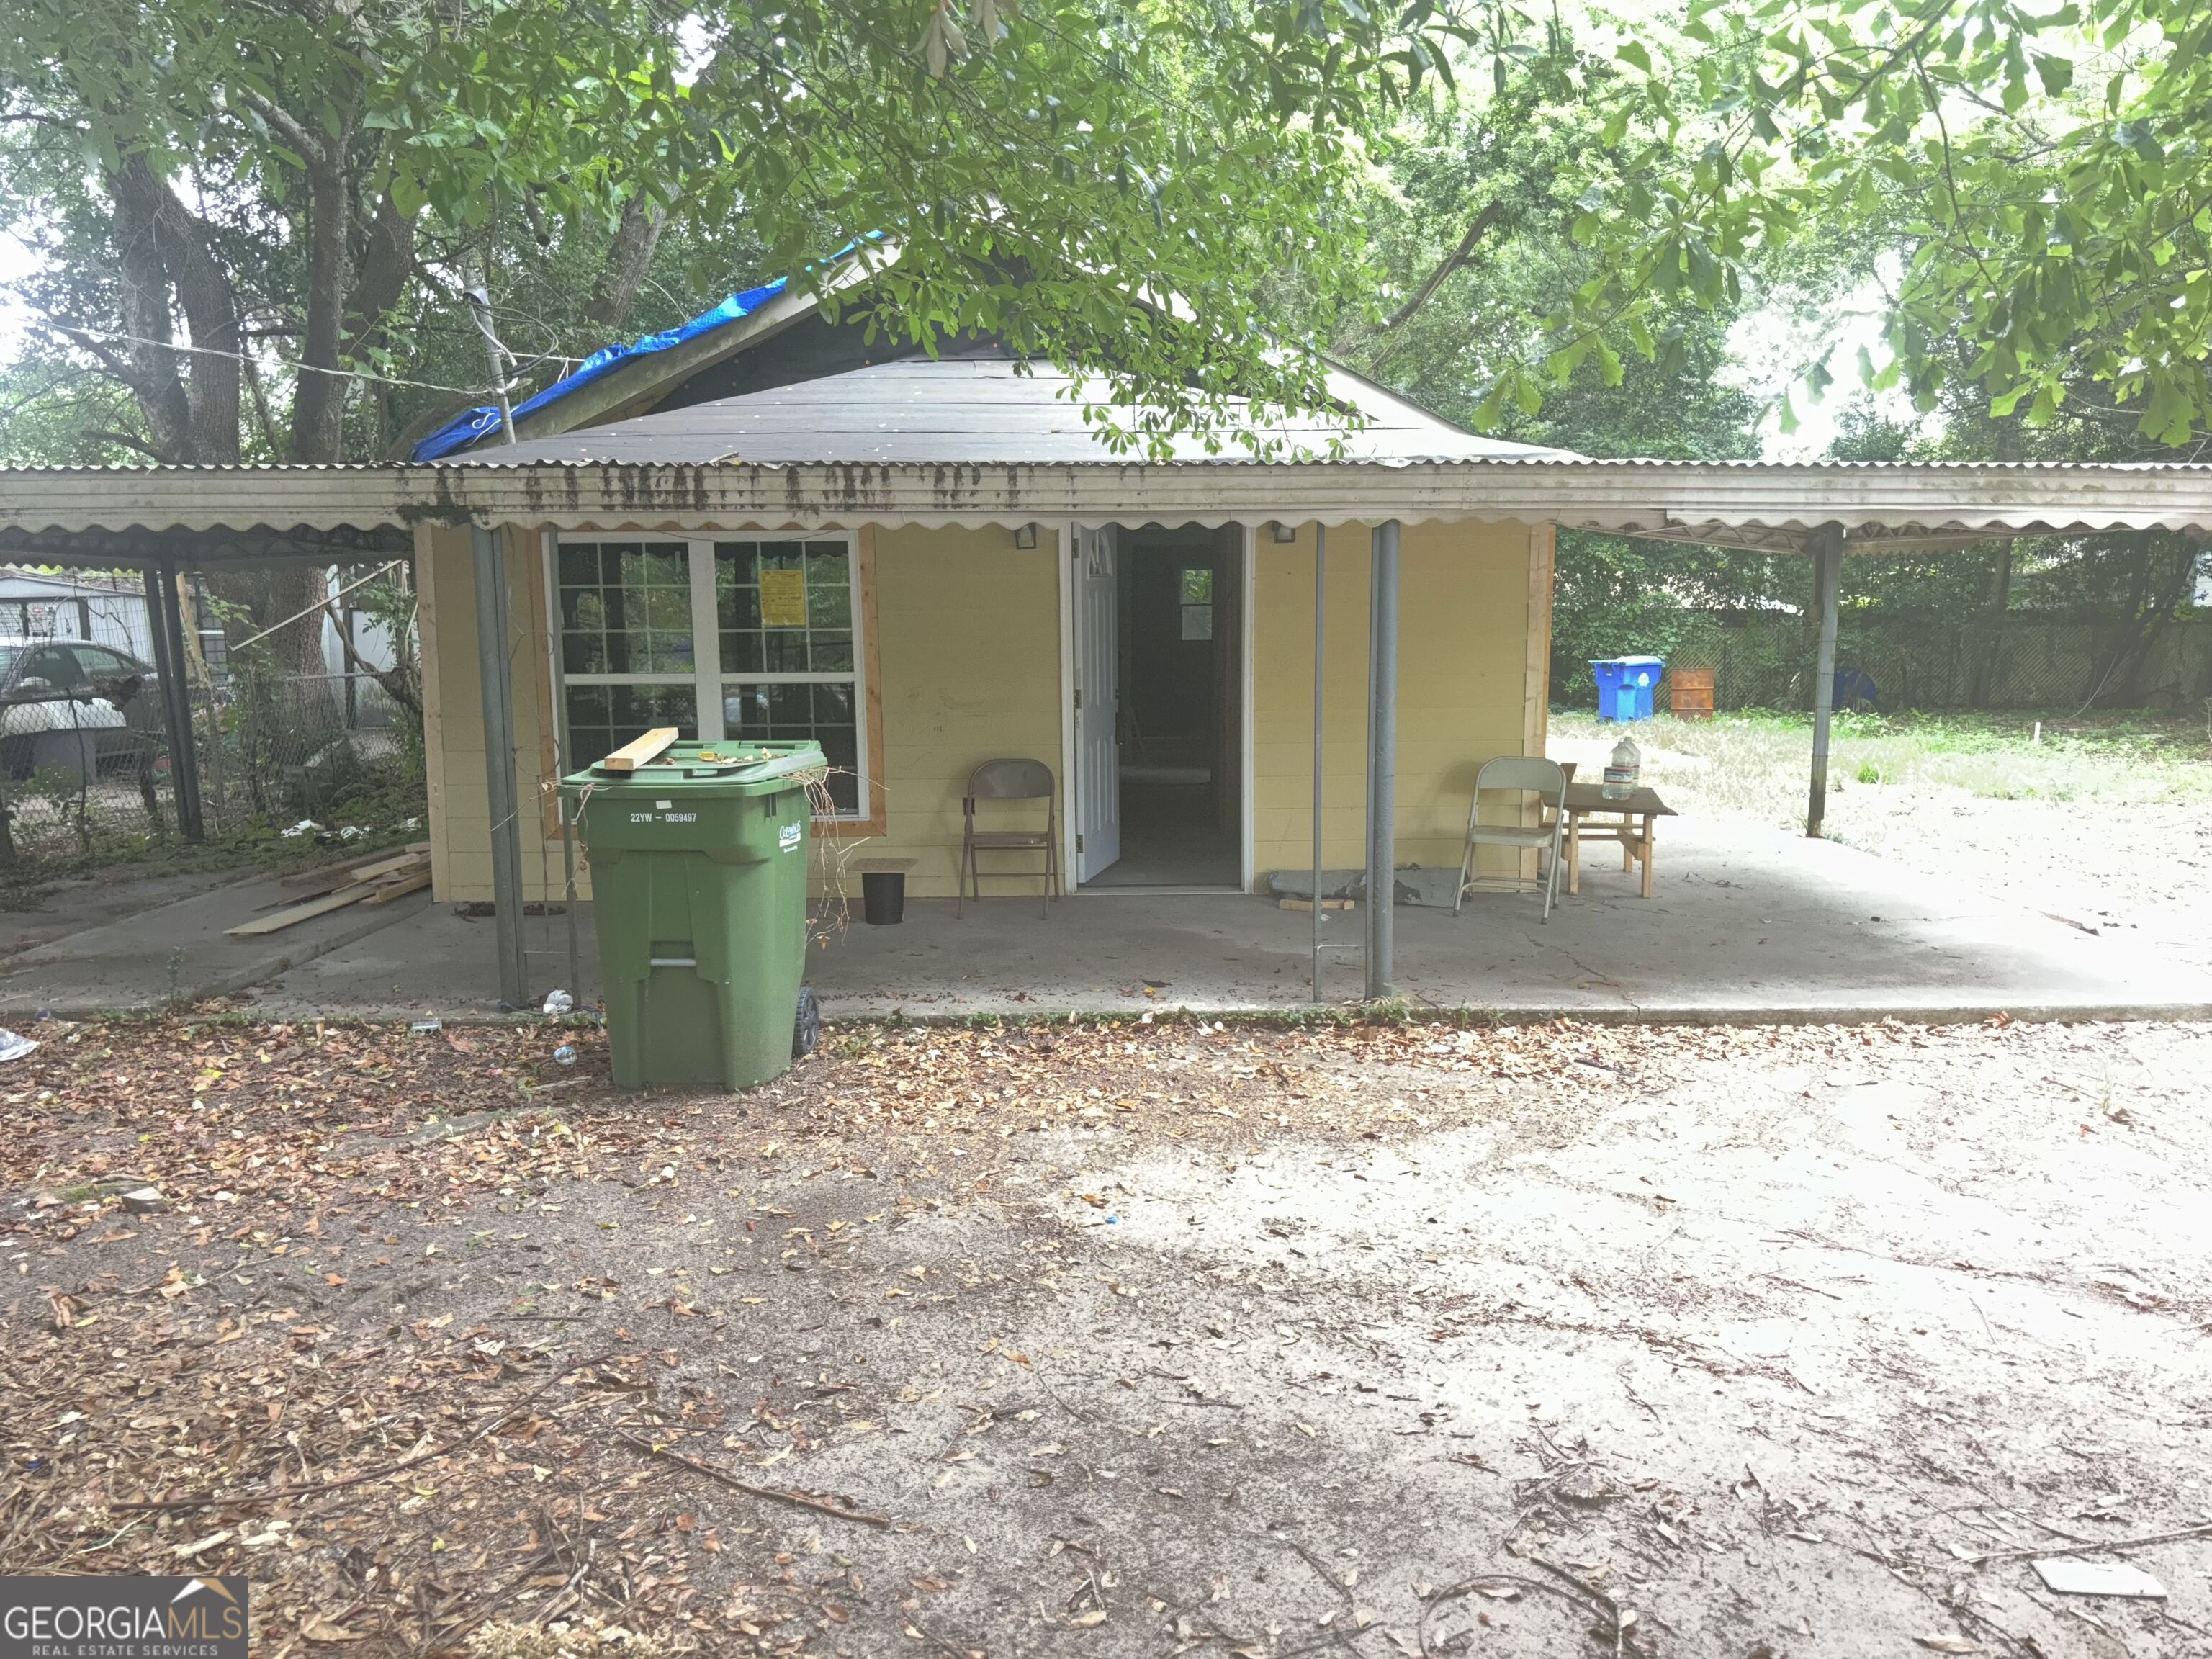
point(1904, 507)
point(106, 546)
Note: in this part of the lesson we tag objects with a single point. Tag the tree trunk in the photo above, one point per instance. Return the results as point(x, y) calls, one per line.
point(1985, 661)
point(150, 367)
point(298, 646)
point(386, 260)
point(319, 401)
point(210, 307)
point(2162, 598)
point(629, 259)
point(319, 398)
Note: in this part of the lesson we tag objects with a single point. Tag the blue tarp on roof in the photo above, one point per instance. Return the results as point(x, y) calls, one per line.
point(481, 422)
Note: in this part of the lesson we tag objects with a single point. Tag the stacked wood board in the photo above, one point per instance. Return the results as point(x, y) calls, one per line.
point(377, 880)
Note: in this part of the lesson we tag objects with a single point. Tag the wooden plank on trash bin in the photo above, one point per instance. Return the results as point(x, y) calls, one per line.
point(299, 913)
point(639, 751)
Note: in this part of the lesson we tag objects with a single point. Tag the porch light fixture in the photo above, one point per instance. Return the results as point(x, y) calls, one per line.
point(1025, 536)
point(1284, 533)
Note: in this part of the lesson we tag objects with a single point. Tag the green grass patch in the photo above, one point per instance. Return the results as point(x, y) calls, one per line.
point(1757, 761)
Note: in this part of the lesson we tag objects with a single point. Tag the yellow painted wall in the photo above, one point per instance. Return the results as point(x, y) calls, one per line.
point(967, 640)
point(452, 715)
point(1466, 649)
point(968, 634)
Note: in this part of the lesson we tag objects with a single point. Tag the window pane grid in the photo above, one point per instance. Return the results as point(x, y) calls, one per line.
point(603, 718)
point(625, 608)
point(785, 621)
point(784, 607)
point(824, 711)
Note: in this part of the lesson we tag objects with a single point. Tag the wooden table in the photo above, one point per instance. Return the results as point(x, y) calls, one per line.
point(1591, 817)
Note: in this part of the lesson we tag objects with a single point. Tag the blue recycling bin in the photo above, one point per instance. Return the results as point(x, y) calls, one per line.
point(1626, 686)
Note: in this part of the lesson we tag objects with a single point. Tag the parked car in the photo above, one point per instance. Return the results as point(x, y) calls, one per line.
point(74, 704)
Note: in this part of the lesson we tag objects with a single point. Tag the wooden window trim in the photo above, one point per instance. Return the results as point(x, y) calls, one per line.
point(547, 685)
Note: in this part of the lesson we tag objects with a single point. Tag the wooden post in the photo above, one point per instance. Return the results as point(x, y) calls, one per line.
point(1827, 550)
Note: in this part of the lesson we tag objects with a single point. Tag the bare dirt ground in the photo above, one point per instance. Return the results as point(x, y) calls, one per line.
point(2111, 833)
point(2139, 869)
point(1139, 1339)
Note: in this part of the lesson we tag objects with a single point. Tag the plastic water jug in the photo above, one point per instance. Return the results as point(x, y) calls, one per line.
point(1621, 771)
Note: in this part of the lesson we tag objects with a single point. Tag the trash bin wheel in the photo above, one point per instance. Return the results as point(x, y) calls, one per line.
point(806, 1025)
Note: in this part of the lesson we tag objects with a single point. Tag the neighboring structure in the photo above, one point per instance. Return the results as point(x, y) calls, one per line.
point(108, 608)
point(100, 607)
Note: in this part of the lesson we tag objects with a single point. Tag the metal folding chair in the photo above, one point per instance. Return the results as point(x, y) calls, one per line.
point(1008, 780)
point(1517, 776)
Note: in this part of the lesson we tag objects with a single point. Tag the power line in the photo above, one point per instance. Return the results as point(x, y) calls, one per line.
point(303, 368)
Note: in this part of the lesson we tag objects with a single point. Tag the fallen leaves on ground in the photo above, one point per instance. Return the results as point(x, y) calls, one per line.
point(248, 1376)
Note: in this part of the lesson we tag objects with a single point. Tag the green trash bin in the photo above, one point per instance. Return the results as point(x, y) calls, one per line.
point(699, 886)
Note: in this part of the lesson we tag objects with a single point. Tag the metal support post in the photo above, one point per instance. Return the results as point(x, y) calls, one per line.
point(495, 675)
point(165, 622)
point(1320, 662)
point(165, 670)
point(1827, 588)
point(1381, 758)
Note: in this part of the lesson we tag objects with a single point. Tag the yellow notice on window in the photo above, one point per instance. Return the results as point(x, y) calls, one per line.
point(783, 599)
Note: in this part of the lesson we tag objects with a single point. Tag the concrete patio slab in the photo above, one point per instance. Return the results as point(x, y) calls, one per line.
point(56, 909)
point(1744, 920)
point(1745, 923)
point(142, 955)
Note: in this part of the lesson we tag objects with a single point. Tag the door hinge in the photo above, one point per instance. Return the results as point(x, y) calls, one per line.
point(1079, 841)
point(1078, 697)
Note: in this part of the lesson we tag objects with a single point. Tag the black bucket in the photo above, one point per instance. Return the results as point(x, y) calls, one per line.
point(883, 896)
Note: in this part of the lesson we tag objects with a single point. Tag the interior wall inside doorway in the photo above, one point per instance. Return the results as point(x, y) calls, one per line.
point(1180, 635)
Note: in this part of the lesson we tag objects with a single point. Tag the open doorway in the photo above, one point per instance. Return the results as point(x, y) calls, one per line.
point(1179, 637)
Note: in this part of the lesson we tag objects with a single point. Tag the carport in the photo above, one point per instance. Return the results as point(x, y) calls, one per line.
point(165, 519)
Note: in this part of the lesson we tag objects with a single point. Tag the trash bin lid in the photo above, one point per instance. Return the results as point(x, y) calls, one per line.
point(751, 768)
point(1640, 662)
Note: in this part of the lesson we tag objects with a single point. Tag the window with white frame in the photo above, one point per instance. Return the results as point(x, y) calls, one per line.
point(728, 638)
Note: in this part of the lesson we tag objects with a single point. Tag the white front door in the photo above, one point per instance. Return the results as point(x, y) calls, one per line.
point(1098, 807)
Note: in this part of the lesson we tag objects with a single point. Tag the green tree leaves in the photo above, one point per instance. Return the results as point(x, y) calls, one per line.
point(2046, 173)
point(1099, 182)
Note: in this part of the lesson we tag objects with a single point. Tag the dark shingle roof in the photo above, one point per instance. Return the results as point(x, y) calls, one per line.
point(989, 412)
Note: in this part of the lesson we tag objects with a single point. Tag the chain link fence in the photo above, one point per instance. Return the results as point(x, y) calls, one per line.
point(1932, 661)
point(86, 775)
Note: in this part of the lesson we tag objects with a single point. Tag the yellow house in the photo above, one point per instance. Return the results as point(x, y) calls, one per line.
point(763, 526)
point(1157, 656)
